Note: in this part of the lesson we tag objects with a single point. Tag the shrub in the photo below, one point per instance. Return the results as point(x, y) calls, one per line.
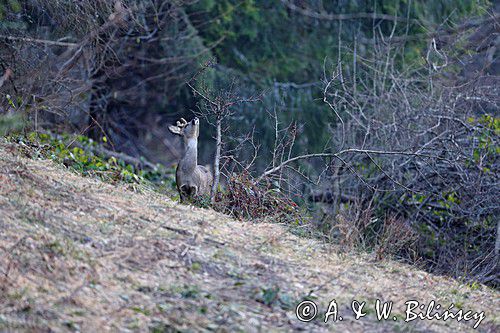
point(244, 198)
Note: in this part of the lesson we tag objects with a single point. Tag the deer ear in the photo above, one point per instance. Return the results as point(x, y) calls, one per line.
point(175, 129)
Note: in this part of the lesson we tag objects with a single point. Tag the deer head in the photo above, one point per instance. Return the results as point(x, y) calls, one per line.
point(188, 130)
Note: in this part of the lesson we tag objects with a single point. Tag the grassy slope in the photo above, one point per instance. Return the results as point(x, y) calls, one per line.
point(76, 253)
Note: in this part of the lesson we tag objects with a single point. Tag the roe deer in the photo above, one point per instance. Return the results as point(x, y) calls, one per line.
point(192, 179)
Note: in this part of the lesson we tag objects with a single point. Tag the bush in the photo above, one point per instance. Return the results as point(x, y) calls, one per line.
point(244, 198)
point(358, 228)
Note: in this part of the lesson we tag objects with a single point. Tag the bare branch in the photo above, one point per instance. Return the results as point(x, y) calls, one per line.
point(342, 152)
point(37, 41)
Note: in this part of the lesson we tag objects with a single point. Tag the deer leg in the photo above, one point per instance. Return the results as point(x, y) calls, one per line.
point(183, 193)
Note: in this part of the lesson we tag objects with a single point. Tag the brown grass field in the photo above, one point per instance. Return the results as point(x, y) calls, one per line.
point(77, 254)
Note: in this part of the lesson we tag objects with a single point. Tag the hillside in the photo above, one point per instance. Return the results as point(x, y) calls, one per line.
point(78, 254)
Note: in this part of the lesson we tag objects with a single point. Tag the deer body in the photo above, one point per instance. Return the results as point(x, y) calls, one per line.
point(192, 179)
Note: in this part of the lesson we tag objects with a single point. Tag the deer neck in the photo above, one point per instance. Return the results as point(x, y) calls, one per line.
point(190, 159)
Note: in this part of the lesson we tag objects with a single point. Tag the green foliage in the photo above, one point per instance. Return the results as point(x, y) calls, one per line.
point(9, 5)
point(259, 38)
point(11, 123)
point(190, 291)
point(273, 296)
point(9, 12)
point(77, 153)
point(139, 309)
point(486, 149)
point(202, 201)
point(438, 11)
point(266, 40)
point(270, 46)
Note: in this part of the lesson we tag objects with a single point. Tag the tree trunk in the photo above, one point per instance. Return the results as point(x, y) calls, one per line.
point(218, 138)
point(497, 243)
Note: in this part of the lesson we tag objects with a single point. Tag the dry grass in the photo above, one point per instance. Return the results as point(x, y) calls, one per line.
point(79, 254)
